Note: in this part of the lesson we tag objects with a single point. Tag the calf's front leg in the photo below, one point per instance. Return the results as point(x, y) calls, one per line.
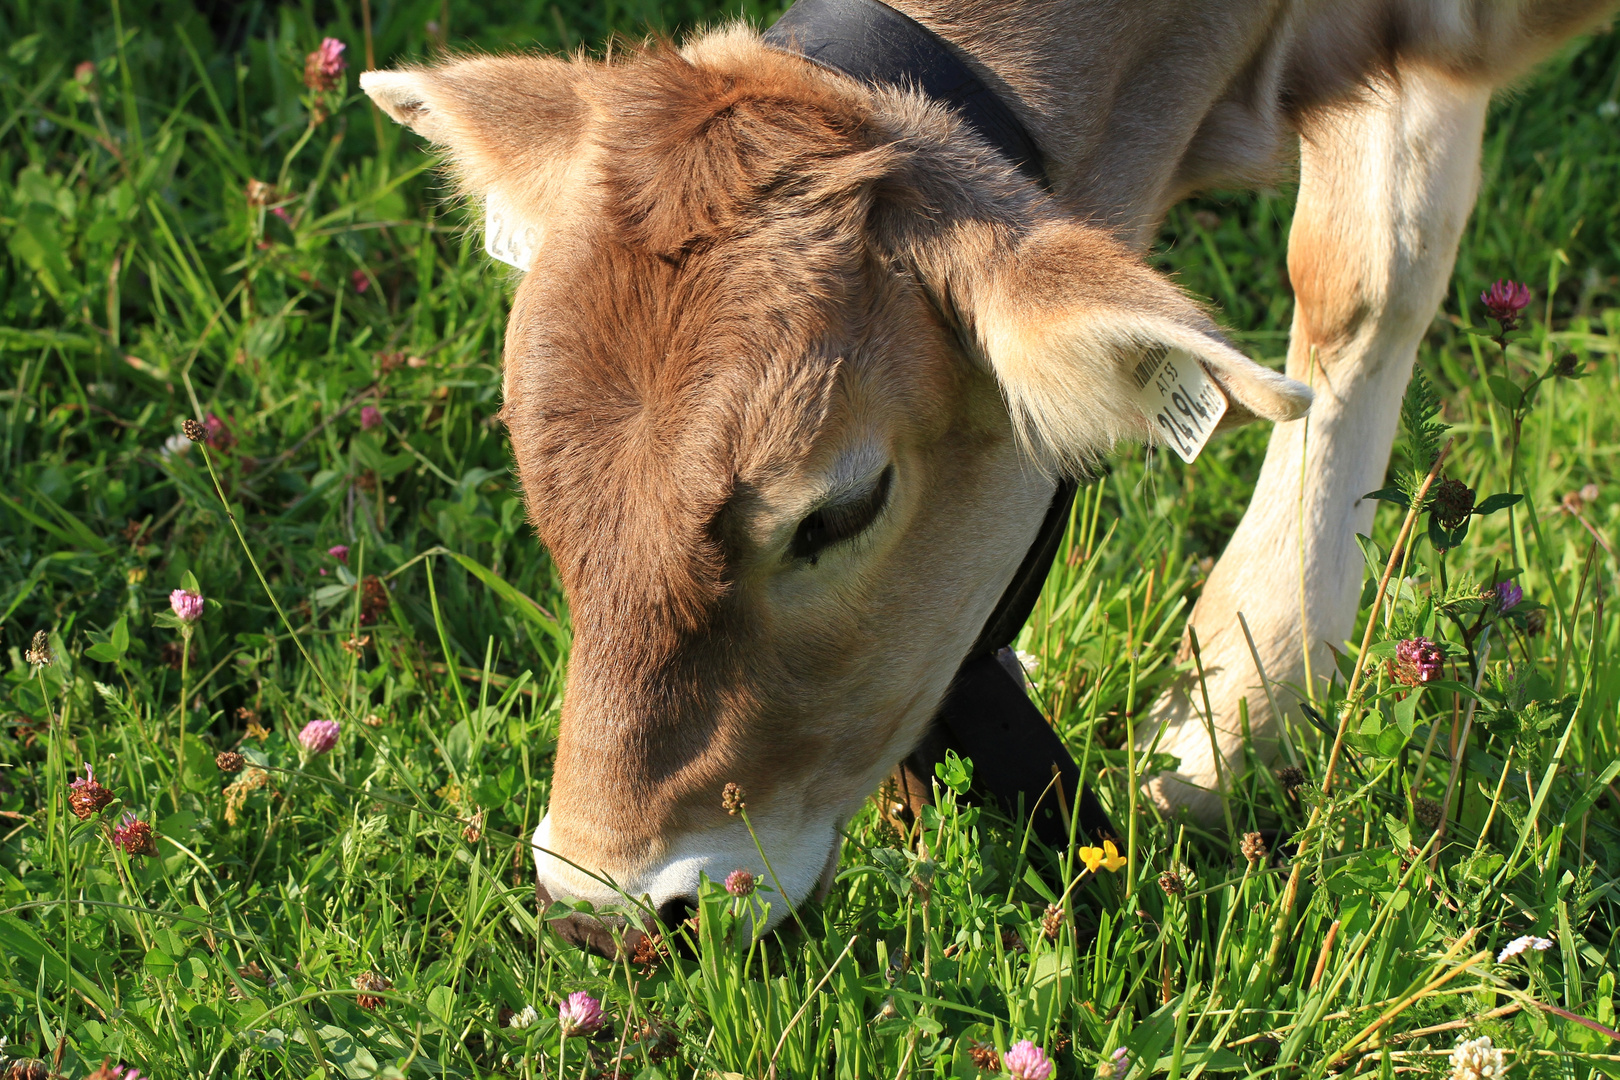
point(1386, 185)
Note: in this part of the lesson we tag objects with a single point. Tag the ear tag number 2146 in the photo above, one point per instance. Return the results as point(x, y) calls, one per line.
point(1180, 400)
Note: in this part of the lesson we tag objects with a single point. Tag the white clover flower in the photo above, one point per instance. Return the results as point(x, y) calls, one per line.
point(1519, 944)
point(175, 446)
point(523, 1019)
point(1028, 661)
point(1477, 1059)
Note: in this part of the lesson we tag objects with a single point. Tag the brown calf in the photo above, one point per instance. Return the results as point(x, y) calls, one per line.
point(796, 361)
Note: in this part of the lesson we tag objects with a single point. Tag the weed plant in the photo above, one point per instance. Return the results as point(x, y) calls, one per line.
point(335, 763)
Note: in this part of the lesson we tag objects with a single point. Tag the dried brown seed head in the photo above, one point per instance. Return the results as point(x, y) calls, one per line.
point(370, 984)
point(229, 761)
point(1253, 847)
point(731, 798)
point(193, 430)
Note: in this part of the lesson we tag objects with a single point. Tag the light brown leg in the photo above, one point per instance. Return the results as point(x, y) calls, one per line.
point(1386, 186)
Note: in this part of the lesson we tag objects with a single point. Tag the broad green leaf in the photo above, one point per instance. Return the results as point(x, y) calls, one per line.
point(1500, 501)
point(1505, 391)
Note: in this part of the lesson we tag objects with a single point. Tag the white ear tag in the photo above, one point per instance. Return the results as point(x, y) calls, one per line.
point(1180, 400)
point(508, 237)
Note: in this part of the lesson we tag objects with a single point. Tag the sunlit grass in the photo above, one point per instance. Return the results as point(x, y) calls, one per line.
point(145, 281)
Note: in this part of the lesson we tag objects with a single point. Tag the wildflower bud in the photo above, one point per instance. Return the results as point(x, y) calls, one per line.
point(229, 761)
point(740, 882)
point(581, 1014)
point(1571, 502)
point(370, 417)
point(86, 796)
point(1253, 847)
point(134, 836)
point(1567, 366)
point(217, 434)
point(1535, 622)
point(1026, 1061)
point(731, 798)
point(1052, 921)
point(84, 72)
point(1172, 884)
point(186, 605)
point(1291, 777)
point(1590, 493)
point(1506, 301)
point(359, 281)
point(340, 552)
point(1417, 660)
point(323, 66)
point(371, 985)
point(193, 430)
point(39, 652)
point(1451, 503)
point(319, 736)
point(1427, 812)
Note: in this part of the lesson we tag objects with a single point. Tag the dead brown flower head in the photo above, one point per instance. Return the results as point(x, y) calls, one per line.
point(229, 761)
point(984, 1057)
point(370, 984)
point(1052, 921)
point(86, 796)
point(1427, 812)
point(1291, 777)
point(193, 430)
point(1253, 847)
point(1172, 884)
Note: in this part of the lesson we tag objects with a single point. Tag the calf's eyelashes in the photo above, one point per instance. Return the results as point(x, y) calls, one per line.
point(841, 518)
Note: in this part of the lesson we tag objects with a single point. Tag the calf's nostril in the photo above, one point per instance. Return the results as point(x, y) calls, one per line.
point(675, 910)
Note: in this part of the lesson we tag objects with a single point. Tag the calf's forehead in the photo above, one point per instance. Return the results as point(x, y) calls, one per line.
point(641, 390)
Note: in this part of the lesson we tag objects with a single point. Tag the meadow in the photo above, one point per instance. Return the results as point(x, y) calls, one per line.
point(192, 233)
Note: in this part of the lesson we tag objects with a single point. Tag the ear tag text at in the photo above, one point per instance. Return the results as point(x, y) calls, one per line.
point(507, 237)
point(1180, 400)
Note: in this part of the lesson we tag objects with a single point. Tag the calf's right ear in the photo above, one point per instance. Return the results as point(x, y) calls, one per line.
point(513, 127)
point(1068, 321)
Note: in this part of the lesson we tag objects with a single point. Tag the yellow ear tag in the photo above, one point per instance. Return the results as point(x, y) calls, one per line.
point(1180, 400)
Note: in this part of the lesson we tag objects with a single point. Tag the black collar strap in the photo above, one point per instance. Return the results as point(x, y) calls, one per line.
point(986, 715)
point(876, 44)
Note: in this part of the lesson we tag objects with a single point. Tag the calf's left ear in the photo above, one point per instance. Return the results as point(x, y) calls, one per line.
point(1069, 321)
point(512, 128)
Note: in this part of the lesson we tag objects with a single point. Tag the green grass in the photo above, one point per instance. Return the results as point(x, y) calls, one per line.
point(140, 287)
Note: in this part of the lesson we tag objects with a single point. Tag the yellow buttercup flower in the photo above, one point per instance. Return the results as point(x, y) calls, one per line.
point(1107, 857)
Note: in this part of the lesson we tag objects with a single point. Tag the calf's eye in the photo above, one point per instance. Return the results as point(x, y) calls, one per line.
point(840, 520)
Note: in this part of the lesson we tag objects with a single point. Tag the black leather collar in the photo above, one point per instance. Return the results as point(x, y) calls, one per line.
point(986, 715)
point(876, 44)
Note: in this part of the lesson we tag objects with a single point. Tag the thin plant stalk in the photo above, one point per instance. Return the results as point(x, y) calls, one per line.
point(1351, 708)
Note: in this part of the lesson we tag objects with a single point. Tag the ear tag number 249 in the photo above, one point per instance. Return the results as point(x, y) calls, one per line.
point(1180, 400)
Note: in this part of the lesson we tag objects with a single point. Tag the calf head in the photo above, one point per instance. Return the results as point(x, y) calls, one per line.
point(788, 377)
